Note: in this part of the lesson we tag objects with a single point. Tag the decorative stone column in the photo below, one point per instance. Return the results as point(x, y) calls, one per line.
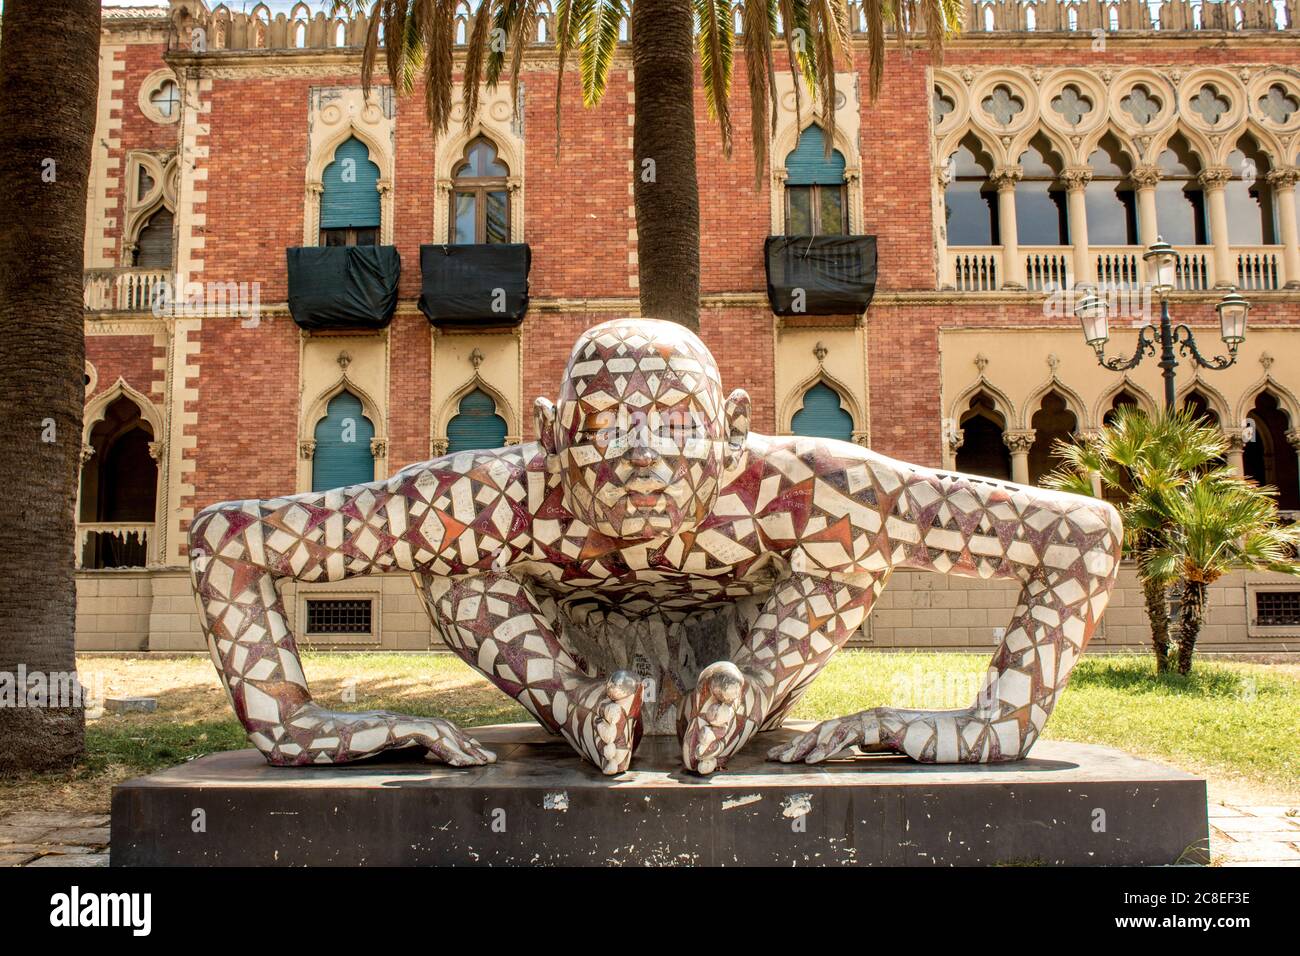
point(1076, 180)
point(947, 270)
point(1013, 266)
point(1236, 449)
point(1019, 441)
point(1283, 182)
point(1145, 179)
point(1212, 180)
point(437, 447)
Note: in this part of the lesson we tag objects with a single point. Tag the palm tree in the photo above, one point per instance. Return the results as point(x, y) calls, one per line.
point(49, 79)
point(1213, 523)
point(1141, 460)
point(665, 37)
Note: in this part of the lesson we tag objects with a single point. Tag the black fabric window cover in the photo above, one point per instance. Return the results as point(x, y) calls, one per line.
point(343, 287)
point(484, 284)
point(820, 275)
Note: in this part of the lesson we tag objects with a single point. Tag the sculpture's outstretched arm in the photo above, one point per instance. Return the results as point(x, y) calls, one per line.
point(497, 626)
point(804, 621)
point(1064, 549)
point(238, 551)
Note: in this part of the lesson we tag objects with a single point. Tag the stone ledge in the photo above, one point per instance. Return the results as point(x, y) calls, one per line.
point(550, 809)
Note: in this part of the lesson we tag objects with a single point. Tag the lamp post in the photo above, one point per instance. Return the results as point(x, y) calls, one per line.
point(1162, 260)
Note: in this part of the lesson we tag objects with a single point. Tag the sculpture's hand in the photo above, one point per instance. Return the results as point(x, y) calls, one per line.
point(604, 725)
point(830, 738)
point(353, 736)
point(715, 721)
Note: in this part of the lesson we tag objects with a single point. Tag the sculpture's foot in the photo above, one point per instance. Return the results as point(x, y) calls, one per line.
point(713, 722)
point(829, 738)
point(605, 725)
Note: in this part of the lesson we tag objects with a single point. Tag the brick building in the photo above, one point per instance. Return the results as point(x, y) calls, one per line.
point(1053, 143)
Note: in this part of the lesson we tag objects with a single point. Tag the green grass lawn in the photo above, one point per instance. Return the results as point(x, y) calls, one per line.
point(1236, 723)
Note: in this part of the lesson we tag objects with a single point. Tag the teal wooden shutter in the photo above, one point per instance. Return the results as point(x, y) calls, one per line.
point(822, 416)
point(807, 164)
point(476, 425)
point(351, 198)
point(338, 461)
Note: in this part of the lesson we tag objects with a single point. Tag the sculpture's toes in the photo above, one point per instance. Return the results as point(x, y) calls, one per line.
point(714, 718)
point(821, 743)
point(444, 742)
point(616, 729)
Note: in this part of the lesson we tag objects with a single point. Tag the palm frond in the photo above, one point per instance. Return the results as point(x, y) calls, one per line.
point(714, 38)
point(599, 41)
point(759, 27)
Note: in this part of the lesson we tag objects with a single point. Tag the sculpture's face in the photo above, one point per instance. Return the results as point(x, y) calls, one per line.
point(640, 430)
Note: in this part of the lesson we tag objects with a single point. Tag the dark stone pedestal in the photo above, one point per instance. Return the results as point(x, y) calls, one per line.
point(539, 805)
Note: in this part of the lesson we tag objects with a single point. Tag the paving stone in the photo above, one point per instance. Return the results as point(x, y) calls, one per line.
point(72, 859)
point(14, 859)
point(1259, 863)
point(131, 705)
point(1259, 850)
point(54, 818)
point(1223, 810)
point(93, 836)
point(1248, 825)
point(1288, 813)
point(24, 834)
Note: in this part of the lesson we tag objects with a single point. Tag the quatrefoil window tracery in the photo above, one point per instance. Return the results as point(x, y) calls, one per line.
point(1277, 105)
point(1003, 105)
point(1210, 104)
point(943, 104)
point(1141, 105)
point(1072, 105)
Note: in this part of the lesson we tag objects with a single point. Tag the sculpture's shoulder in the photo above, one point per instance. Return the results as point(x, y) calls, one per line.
point(800, 457)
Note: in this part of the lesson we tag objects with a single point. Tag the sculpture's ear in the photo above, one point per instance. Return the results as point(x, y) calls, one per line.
point(544, 421)
point(737, 424)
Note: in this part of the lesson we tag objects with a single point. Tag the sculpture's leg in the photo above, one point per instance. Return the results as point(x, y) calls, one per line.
point(1058, 610)
point(497, 626)
point(805, 620)
point(233, 548)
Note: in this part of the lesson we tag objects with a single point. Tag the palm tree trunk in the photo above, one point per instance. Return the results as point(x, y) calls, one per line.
point(1157, 601)
point(663, 146)
point(1193, 613)
point(49, 76)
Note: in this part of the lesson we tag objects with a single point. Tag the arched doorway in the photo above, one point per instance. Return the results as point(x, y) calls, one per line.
point(342, 455)
point(1270, 459)
point(476, 425)
point(119, 490)
point(822, 415)
point(982, 451)
point(1052, 422)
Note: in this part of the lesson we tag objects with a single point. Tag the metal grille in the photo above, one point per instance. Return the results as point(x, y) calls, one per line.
point(338, 617)
point(1277, 608)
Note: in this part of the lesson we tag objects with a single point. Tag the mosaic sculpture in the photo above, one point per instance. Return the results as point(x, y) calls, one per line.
point(649, 565)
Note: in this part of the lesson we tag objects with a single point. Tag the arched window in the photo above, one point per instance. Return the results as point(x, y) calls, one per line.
point(1041, 216)
point(1200, 405)
point(1270, 459)
point(153, 244)
point(119, 486)
point(1249, 197)
point(822, 415)
point(982, 451)
point(342, 455)
point(1180, 202)
point(349, 206)
point(1123, 398)
point(480, 201)
point(476, 425)
point(970, 202)
point(816, 199)
point(1109, 198)
point(1051, 423)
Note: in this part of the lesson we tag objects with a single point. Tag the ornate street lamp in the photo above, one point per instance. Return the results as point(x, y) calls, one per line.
point(1162, 267)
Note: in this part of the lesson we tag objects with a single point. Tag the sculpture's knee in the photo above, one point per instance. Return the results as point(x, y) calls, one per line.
point(216, 528)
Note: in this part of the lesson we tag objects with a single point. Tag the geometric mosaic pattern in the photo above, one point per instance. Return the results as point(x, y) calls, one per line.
point(649, 566)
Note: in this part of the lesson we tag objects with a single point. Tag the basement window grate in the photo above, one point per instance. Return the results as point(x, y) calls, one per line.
point(1277, 608)
point(336, 616)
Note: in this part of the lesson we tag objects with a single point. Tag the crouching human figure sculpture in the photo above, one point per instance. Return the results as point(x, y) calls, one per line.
point(649, 565)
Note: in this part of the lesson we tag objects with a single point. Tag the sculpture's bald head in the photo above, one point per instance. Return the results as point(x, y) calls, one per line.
point(642, 431)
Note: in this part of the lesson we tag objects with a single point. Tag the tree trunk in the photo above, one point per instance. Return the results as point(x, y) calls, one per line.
point(1193, 613)
point(1157, 601)
point(663, 146)
point(49, 76)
